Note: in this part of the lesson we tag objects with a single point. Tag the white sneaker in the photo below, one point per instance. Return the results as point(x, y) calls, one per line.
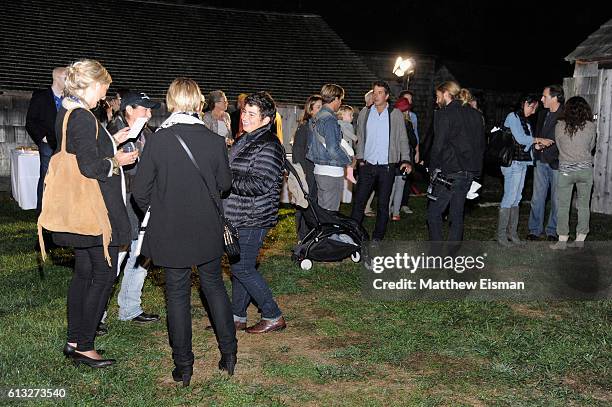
point(406, 209)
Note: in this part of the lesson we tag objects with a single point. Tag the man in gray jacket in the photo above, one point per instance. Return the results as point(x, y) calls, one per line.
point(382, 148)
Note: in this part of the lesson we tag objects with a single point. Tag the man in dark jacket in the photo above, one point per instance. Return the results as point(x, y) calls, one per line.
point(546, 171)
point(40, 124)
point(457, 151)
point(134, 105)
point(256, 161)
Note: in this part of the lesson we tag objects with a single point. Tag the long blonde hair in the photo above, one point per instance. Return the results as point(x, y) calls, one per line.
point(465, 96)
point(82, 74)
point(451, 87)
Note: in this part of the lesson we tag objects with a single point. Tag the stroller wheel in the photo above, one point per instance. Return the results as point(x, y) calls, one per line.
point(356, 257)
point(306, 264)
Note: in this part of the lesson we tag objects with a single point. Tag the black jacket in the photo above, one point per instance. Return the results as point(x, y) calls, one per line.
point(546, 129)
point(298, 156)
point(256, 160)
point(40, 119)
point(91, 157)
point(235, 122)
point(459, 140)
point(184, 228)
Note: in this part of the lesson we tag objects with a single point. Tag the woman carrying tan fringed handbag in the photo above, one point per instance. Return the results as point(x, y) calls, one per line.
point(84, 205)
point(66, 188)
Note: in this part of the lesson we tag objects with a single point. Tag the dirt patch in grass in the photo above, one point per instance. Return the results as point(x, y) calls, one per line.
point(430, 363)
point(583, 386)
point(301, 359)
point(531, 312)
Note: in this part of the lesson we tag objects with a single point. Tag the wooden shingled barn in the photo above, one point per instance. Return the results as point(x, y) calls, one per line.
point(146, 44)
point(592, 80)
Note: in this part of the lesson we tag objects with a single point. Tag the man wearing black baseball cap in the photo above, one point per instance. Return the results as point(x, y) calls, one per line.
point(135, 99)
point(134, 105)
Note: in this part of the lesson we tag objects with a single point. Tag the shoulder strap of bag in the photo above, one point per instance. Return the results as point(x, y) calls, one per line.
point(64, 128)
point(188, 151)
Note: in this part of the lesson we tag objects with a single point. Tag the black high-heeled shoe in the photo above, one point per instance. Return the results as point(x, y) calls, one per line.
point(79, 358)
point(182, 374)
point(69, 350)
point(228, 363)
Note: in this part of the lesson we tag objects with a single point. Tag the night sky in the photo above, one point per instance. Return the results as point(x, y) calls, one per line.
point(531, 38)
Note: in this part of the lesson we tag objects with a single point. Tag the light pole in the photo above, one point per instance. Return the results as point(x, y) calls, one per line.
point(403, 68)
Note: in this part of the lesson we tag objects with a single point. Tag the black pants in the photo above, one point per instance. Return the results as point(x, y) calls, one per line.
point(90, 288)
point(455, 197)
point(300, 222)
point(381, 178)
point(178, 298)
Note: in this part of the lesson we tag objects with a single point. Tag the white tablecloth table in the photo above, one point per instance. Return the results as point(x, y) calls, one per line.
point(25, 171)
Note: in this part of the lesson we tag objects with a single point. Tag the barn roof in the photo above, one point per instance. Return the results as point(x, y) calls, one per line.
point(145, 45)
point(598, 46)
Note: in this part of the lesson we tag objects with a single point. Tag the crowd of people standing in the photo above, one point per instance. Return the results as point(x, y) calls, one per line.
point(198, 168)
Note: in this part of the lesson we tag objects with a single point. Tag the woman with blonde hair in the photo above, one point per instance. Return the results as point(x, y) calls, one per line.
point(87, 82)
point(181, 177)
point(465, 96)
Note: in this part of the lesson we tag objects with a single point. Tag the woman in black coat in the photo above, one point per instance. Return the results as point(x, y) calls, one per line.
point(256, 160)
point(298, 156)
point(184, 228)
point(87, 82)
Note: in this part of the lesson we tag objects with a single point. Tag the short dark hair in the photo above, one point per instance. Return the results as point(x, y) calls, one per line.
point(265, 103)
point(382, 84)
point(406, 92)
point(557, 91)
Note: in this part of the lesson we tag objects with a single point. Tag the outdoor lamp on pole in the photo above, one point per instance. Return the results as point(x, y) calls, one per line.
point(403, 68)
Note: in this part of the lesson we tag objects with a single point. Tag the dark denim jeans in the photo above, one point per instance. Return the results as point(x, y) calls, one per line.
point(178, 297)
point(45, 152)
point(455, 197)
point(247, 283)
point(379, 178)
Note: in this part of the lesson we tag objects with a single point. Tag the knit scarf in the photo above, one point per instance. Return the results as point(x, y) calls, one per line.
point(180, 118)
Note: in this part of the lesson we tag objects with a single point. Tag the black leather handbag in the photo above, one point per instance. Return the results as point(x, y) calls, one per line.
point(230, 233)
point(500, 148)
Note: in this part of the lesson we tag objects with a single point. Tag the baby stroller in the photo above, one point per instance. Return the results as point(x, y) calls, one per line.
point(332, 236)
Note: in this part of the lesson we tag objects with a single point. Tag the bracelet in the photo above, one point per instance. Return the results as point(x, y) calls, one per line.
point(116, 165)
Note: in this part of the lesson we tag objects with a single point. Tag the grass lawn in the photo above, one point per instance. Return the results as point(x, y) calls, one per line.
point(338, 350)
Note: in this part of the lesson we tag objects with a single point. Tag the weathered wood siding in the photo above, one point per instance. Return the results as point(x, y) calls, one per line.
point(602, 187)
point(13, 109)
point(585, 83)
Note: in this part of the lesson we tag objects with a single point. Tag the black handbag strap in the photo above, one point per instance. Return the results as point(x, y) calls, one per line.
point(188, 151)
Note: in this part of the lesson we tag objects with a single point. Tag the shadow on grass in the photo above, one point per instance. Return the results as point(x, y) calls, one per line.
point(25, 290)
